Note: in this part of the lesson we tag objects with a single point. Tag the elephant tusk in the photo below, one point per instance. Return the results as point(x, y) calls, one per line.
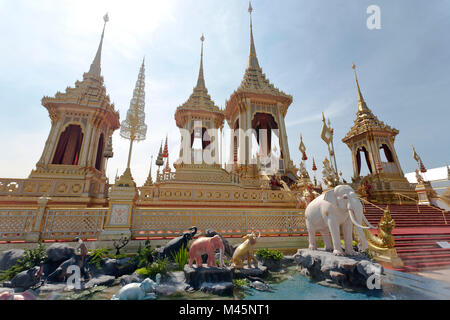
point(259, 234)
point(354, 221)
point(368, 223)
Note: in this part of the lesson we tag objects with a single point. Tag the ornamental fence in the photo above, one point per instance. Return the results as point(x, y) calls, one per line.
point(56, 224)
point(169, 222)
point(66, 224)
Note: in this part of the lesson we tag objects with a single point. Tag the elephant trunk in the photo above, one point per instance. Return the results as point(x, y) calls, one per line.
point(193, 231)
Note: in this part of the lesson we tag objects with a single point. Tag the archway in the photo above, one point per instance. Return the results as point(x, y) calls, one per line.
point(387, 154)
point(358, 160)
point(100, 148)
point(69, 146)
point(263, 124)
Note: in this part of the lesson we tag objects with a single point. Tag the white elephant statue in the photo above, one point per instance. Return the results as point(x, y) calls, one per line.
point(339, 207)
point(138, 291)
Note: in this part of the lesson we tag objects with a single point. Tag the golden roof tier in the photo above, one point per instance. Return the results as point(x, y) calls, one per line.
point(365, 120)
point(199, 105)
point(255, 85)
point(87, 94)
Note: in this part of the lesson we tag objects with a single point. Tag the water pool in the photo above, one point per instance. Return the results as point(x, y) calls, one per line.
point(394, 286)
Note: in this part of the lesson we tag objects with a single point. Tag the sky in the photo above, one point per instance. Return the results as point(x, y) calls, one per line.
point(305, 47)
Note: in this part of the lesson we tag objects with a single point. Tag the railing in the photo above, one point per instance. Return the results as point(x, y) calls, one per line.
point(368, 202)
point(69, 223)
point(170, 223)
point(15, 223)
point(409, 198)
point(418, 207)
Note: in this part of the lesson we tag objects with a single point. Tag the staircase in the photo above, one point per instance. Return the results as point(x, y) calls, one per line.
point(416, 234)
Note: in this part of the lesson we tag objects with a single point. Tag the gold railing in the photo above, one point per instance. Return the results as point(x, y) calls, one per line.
point(418, 206)
point(400, 195)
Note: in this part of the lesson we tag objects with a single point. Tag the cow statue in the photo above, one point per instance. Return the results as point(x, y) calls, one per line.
point(138, 291)
point(206, 245)
point(245, 251)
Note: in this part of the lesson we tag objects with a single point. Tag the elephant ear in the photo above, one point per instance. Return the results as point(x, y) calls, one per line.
point(330, 196)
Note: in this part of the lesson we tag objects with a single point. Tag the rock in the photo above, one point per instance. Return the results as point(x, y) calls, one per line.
point(115, 267)
point(130, 278)
point(25, 279)
point(175, 283)
point(50, 287)
point(102, 280)
point(271, 264)
point(10, 257)
point(288, 261)
point(346, 272)
point(258, 285)
point(59, 252)
point(220, 289)
point(196, 276)
point(260, 272)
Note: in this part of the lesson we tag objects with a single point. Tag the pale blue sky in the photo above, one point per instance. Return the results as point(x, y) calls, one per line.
point(306, 48)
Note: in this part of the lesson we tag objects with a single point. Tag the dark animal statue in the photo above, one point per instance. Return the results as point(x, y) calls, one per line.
point(174, 245)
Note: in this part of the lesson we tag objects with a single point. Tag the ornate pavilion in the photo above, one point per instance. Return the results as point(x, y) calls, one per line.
point(68, 194)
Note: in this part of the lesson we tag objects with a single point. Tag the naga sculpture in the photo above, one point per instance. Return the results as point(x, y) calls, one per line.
point(384, 238)
point(245, 251)
point(335, 208)
point(206, 245)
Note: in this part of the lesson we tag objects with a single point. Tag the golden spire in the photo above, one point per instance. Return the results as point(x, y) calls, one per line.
point(361, 103)
point(201, 79)
point(96, 65)
point(252, 59)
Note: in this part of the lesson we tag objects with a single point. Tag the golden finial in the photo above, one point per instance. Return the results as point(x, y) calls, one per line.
point(252, 59)
point(96, 64)
point(361, 103)
point(201, 79)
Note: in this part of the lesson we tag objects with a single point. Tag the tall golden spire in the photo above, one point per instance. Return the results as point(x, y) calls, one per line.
point(361, 103)
point(201, 78)
point(252, 59)
point(96, 64)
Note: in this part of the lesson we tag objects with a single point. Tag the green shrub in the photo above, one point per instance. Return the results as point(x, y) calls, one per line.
point(144, 256)
point(181, 257)
point(269, 254)
point(97, 255)
point(151, 270)
point(31, 258)
point(240, 283)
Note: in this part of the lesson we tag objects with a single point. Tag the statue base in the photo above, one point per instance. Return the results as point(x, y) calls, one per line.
point(342, 271)
point(213, 280)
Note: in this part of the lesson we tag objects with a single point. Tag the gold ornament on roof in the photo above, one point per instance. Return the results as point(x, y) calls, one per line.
point(365, 119)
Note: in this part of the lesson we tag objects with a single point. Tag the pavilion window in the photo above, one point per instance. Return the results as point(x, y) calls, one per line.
point(101, 146)
point(387, 153)
point(69, 146)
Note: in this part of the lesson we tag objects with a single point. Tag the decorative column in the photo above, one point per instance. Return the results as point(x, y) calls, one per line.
point(122, 199)
point(35, 229)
